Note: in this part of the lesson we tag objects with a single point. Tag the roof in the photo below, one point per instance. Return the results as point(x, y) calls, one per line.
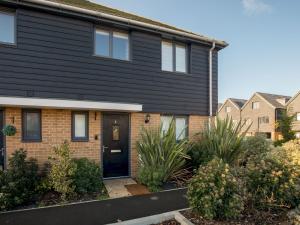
point(87, 5)
point(238, 102)
point(293, 98)
point(272, 99)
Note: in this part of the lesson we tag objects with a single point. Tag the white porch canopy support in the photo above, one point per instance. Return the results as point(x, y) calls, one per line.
point(68, 104)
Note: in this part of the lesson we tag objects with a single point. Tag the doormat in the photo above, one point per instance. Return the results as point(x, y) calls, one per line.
point(137, 189)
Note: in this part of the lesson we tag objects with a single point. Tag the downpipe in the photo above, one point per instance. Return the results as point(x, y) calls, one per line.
point(211, 84)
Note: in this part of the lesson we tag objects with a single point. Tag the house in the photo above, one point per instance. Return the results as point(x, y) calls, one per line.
point(231, 109)
point(78, 71)
point(293, 108)
point(261, 113)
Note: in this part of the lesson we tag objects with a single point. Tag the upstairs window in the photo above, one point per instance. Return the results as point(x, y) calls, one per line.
point(228, 109)
point(263, 119)
point(112, 44)
point(31, 125)
point(7, 28)
point(173, 57)
point(181, 125)
point(255, 105)
point(298, 117)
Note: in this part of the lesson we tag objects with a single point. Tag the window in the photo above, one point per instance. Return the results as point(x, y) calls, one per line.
point(7, 28)
point(112, 44)
point(298, 135)
point(181, 125)
point(228, 109)
point(248, 121)
point(31, 125)
point(255, 105)
point(80, 130)
point(298, 117)
point(173, 57)
point(263, 119)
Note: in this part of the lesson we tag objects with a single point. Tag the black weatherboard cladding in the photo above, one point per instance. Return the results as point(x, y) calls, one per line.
point(54, 59)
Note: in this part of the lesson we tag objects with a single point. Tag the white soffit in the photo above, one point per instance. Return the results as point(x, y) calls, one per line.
point(68, 104)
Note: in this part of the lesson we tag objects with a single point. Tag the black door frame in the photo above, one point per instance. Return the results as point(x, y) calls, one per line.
point(3, 137)
point(129, 143)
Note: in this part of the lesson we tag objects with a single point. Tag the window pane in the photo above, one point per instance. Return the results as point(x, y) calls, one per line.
point(180, 58)
point(7, 28)
point(181, 128)
point(116, 133)
point(167, 56)
point(102, 43)
point(80, 125)
point(166, 121)
point(298, 116)
point(32, 129)
point(120, 46)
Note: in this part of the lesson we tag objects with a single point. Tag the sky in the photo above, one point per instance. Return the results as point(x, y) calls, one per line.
point(263, 35)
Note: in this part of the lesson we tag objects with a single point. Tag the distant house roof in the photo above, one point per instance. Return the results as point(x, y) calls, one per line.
point(87, 5)
point(238, 102)
point(292, 99)
point(272, 99)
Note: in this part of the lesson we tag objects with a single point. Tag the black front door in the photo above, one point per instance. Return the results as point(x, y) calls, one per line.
point(1, 141)
point(115, 145)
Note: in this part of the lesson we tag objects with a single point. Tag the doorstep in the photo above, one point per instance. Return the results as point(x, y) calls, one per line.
point(116, 188)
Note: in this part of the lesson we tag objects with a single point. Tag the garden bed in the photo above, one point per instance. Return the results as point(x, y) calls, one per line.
point(168, 222)
point(247, 218)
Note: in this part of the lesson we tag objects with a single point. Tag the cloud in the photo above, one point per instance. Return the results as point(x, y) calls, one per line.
point(256, 7)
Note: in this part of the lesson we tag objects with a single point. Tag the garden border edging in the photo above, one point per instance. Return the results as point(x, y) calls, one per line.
point(157, 219)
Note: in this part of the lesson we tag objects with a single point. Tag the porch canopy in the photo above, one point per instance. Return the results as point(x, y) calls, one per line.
point(68, 104)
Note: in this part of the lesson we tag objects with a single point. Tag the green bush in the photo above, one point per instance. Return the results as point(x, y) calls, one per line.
point(254, 147)
point(214, 192)
point(87, 178)
point(292, 151)
point(62, 168)
point(160, 156)
point(273, 181)
point(294, 216)
point(18, 183)
point(222, 140)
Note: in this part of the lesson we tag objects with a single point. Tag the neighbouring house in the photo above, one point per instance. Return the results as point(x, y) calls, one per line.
point(293, 108)
point(78, 71)
point(261, 112)
point(231, 109)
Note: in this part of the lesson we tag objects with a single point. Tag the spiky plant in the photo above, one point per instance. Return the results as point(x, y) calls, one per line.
point(160, 155)
point(223, 139)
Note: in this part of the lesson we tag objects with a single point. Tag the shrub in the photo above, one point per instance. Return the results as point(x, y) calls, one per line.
point(254, 147)
point(87, 177)
point(62, 168)
point(18, 183)
point(214, 192)
point(294, 216)
point(292, 151)
point(160, 155)
point(273, 181)
point(285, 124)
point(222, 140)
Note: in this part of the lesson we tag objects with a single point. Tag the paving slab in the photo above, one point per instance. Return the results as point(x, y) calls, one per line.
point(116, 187)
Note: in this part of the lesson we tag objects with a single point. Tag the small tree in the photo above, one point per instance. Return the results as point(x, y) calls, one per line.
point(285, 127)
point(62, 170)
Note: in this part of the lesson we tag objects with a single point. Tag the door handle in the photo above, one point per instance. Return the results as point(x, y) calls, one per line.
point(104, 147)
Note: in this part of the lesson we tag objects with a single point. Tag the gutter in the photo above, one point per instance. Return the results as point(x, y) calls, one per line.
point(210, 82)
point(124, 20)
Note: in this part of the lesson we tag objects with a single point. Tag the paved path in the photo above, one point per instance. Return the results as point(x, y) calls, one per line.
point(116, 187)
point(100, 212)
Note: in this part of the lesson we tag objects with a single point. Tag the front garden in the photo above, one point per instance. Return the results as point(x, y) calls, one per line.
point(231, 179)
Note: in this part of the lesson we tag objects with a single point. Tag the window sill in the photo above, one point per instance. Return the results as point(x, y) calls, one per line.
point(110, 58)
point(32, 140)
point(80, 140)
point(7, 44)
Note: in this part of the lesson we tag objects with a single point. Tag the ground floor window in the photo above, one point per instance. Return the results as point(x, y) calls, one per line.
point(181, 125)
point(80, 130)
point(31, 125)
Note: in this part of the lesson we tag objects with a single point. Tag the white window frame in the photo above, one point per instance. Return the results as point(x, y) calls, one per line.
point(174, 45)
point(228, 109)
point(171, 117)
point(298, 116)
point(15, 27)
point(255, 105)
point(73, 121)
point(110, 47)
